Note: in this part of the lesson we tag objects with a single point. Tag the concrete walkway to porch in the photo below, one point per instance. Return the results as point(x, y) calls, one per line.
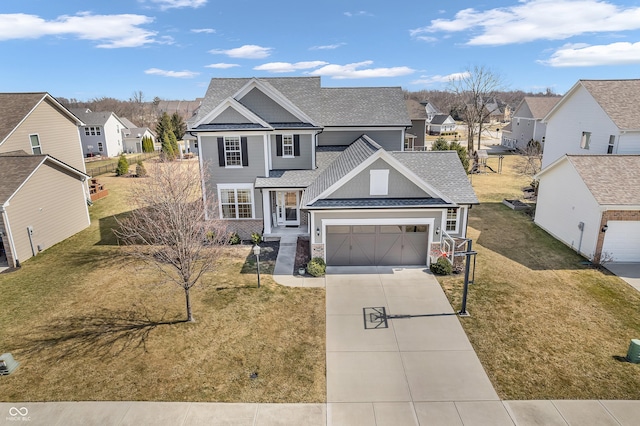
point(283, 272)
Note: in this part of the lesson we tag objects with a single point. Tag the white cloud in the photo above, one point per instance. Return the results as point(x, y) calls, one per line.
point(428, 39)
point(282, 67)
point(221, 66)
point(532, 20)
point(176, 4)
point(248, 51)
point(327, 46)
point(352, 71)
point(358, 13)
point(621, 53)
point(203, 30)
point(426, 80)
point(111, 31)
point(175, 74)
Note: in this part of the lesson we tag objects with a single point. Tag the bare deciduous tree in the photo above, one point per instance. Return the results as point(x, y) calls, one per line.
point(475, 89)
point(168, 225)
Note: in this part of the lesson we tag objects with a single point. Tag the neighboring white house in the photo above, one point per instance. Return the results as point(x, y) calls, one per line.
point(132, 139)
point(441, 123)
point(592, 204)
point(594, 117)
point(101, 133)
point(526, 122)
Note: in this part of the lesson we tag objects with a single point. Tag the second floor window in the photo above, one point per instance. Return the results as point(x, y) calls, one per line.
point(287, 145)
point(92, 131)
point(35, 144)
point(100, 148)
point(585, 140)
point(452, 219)
point(612, 143)
point(232, 152)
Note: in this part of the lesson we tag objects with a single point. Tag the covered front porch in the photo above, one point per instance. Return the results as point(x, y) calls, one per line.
point(282, 214)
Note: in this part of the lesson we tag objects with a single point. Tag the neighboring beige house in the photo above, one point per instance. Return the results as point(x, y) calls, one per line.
point(42, 202)
point(37, 123)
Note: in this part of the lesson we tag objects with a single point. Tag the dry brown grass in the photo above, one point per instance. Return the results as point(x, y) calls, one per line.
point(87, 323)
point(544, 325)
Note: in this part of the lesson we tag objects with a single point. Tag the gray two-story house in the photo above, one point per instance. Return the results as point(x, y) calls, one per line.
point(288, 154)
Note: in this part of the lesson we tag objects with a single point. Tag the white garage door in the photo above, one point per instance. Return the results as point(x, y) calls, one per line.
point(622, 241)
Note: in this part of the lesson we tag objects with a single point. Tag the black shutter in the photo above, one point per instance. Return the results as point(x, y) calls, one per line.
point(279, 145)
point(296, 145)
point(245, 151)
point(221, 152)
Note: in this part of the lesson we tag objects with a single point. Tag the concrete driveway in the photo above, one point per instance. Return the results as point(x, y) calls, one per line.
point(629, 272)
point(411, 372)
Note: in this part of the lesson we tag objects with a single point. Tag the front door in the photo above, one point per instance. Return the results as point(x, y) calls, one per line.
point(288, 212)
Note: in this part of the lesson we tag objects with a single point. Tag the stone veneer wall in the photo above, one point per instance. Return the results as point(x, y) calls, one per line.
point(317, 250)
point(625, 215)
point(244, 228)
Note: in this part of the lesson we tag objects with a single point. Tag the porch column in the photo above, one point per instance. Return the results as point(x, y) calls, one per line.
point(266, 210)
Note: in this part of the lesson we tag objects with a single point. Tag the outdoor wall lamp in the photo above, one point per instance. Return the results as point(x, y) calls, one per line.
point(438, 230)
point(317, 232)
point(604, 228)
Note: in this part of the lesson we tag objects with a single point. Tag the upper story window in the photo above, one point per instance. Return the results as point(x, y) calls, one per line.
point(288, 146)
point(92, 131)
point(35, 144)
point(100, 147)
point(585, 140)
point(612, 142)
point(233, 151)
point(452, 220)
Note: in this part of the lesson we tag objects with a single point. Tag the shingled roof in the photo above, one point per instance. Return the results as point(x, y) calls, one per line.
point(328, 106)
point(612, 179)
point(416, 110)
point(94, 118)
point(14, 107)
point(619, 99)
point(15, 170)
point(540, 105)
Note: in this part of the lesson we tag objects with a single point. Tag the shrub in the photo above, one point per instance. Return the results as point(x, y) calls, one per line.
point(234, 239)
point(441, 267)
point(141, 170)
point(256, 238)
point(316, 267)
point(123, 166)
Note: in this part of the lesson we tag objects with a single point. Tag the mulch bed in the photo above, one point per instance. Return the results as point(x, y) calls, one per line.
point(302, 254)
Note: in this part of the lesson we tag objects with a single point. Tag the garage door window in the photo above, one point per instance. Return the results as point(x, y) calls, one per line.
point(390, 229)
point(364, 229)
point(416, 228)
point(338, 230)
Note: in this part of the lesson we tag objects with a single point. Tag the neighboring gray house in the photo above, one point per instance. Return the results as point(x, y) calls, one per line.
point(42, 202)
point(101, 133)
point(526, 122)
point(415, 135)
point(328, 162)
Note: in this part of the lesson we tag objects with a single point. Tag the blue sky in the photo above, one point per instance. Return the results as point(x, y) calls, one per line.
point(171, 48)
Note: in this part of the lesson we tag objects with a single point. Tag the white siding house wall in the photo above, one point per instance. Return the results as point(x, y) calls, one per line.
point(113, 137)
point(578, 113)
point(563, 202)
point(628, 143)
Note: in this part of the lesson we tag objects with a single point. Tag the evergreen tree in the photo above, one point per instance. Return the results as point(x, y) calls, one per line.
point(174, 143)
point(441, 144)
point(147, 144)
point(163, 125)
point(141, 170)
point(167, 148)
point(123, 166)
point(178, 125)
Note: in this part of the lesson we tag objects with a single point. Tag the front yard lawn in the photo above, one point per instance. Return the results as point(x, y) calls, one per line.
point(544, 325)
point(87, 323)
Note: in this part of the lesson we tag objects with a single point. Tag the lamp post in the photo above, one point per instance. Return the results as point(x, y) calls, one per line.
point(256, 251)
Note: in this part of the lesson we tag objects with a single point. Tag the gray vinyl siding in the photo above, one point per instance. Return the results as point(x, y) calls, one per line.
point(267, 108)
point(399, 185)
point(302, 162)
point(419, 129)
point(52, 202)
point(390, 140)
point(57, 133)
point(231, 116)
point(217, 174)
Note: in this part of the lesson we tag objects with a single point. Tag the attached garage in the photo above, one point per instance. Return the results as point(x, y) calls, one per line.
point(622, 241)
point(371, 245)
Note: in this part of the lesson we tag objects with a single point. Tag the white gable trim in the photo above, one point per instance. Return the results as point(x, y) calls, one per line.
point(238, 107)
point(276, 96)
point(393, 163)
point(562, 101)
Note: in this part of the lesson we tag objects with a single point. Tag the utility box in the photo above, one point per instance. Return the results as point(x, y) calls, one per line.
point(7, 364)
point(633, 354)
